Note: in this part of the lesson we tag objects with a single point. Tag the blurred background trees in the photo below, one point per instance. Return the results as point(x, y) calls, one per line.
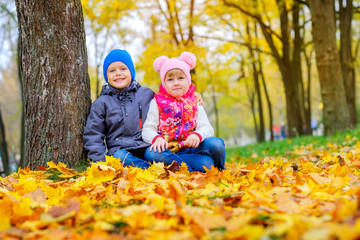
point(263, 67)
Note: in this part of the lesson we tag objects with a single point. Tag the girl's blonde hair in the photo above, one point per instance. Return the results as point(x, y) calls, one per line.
point(174, 71)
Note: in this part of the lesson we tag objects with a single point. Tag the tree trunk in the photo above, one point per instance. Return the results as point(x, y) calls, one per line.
point(268, 101)
point(346, 58)
point(251, 97)
point(296, 66)
point(261, 132)
point(22, 122)
point(216, 111)
point(335, 111)
point(53, 66)
point(97, 84)
point(308, 90)
point(291, 79)
point(3, 147)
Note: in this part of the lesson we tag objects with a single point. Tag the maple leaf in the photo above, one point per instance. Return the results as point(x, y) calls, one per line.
point(99, 173)
point(114, 163)
point(56, 211)
point(37, 196)
point(61, 167)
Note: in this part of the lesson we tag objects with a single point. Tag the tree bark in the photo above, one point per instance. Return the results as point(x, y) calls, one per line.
point(53, 66)
point(22, 122)
point(216, 111)
point(296, 66)
point(268, 101)
point(261, 73)
point(308, 89)
point(3, 147)
point(251, 96)
point(347, 62)
point(261, 133)
point(289, 70)
point(335, 111)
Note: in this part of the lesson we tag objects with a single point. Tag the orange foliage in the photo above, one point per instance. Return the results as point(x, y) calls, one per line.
point(315, 196)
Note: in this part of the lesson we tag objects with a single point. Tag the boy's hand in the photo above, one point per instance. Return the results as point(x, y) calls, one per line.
point(159, 144)
point(192, 141)
point(198, 98)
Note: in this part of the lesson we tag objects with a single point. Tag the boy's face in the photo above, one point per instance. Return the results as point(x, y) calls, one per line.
point(176, 84)
point(118, 75)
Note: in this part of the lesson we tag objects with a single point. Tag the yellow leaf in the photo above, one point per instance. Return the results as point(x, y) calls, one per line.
point(37, 196)
point(114, 162)
point(98, 173)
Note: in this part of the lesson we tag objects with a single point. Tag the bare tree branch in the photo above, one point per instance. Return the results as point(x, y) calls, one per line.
point(178, 22)
point(256, 17)
point(11, 14)
point(233, 41)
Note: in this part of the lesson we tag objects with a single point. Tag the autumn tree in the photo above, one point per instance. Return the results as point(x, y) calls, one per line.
point(4, 154)
point(231, 21)
point(53, 66)
point(335, 109)
point(346, 55)
point(287, 57)
point(171, 27)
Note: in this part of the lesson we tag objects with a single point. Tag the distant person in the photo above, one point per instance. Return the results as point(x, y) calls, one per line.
point(283, 130)
point(276, 131)
point(314, 126)
point(176, 126)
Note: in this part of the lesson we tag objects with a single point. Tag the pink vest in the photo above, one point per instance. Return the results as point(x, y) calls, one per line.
point(177, 116)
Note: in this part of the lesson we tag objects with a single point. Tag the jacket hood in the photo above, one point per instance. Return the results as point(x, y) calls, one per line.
point(107, 89)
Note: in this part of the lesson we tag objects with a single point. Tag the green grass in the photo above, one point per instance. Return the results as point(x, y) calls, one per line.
point(285, 147)
point(83, 165)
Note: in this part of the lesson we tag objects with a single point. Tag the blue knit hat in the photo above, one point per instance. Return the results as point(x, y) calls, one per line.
point(122, 56)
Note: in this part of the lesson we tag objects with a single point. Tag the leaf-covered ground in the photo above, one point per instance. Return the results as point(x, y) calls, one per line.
point(313, 196)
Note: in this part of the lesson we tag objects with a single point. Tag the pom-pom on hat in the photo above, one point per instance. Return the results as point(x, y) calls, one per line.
point(118, 55)
point(185, 63)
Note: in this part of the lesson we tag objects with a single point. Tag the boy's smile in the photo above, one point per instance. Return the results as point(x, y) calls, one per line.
point(176, 84)
point(119, 75)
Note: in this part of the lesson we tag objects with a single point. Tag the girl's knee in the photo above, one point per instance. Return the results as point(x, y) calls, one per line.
point(152, 154)
point(215, 144)
point(215, 141)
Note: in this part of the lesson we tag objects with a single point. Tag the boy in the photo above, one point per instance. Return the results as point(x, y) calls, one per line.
point(116, 117)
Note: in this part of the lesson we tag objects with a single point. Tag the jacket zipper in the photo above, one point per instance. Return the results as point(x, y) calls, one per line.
point(182, 121)
point(140, 116)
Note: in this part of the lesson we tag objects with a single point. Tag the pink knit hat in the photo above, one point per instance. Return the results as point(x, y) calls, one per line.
point(185, 63)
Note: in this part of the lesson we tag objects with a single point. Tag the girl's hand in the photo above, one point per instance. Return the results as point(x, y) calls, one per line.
point(159, 144)
point(192, 141)
point(198, 98)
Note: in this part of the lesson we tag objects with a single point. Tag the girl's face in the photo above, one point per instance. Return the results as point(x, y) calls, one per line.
point(176, 84)
point(118, 75)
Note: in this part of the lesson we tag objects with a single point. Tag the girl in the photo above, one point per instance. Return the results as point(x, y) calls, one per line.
point(176, 126)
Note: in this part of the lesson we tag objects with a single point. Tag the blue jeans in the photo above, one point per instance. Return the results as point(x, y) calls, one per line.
point(209, 152)
point(131, 158)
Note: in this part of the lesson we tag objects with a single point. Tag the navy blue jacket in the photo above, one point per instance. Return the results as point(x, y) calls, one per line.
point(117, 117)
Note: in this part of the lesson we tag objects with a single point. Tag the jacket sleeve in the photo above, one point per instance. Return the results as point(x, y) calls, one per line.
point(203, 126)
point(149, 131)
point(94, 133)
